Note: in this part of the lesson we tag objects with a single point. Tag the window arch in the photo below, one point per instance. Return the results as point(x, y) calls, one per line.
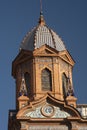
point(64, 84)
point(27, 82)
point(46, 80)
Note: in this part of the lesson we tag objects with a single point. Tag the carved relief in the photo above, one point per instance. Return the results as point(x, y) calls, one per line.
point(47, 111)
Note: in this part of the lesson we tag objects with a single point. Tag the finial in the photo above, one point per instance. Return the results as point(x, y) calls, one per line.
point(70, 88)
point(23, 90)
point(41, 19)
point(40, 6)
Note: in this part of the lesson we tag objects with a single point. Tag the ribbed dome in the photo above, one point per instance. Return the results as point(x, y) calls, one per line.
point(41, 35)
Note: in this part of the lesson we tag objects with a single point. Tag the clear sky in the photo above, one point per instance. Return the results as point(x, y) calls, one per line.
point(68, 18)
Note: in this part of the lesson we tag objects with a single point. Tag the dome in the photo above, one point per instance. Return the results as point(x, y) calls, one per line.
point(41, 35)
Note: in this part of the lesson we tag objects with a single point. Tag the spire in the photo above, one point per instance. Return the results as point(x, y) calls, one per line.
point(40, 5)
point(41, 19)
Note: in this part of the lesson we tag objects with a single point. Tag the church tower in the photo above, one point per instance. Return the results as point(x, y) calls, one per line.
point(45, 97)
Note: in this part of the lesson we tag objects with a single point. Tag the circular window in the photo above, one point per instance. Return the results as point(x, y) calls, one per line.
point(48, 110)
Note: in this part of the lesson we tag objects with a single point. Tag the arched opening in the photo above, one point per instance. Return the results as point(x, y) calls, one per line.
point(28, 82)
point(64, 84)
point(46, 80)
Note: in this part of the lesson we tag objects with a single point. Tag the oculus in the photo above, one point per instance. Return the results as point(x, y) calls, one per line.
point(48, 110)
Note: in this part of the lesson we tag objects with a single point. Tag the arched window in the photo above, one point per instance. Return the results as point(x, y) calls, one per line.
point(46, 80)
point(27, 82)
point(64, 84)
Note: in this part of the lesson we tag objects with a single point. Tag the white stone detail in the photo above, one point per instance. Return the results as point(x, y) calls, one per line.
point(41, 127)
point(83, 111)
point(60, 114)
point(82, 128)
point(35, 114)
point(38, 114)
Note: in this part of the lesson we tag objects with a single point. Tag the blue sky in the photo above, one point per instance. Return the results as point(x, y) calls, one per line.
point(68, 18)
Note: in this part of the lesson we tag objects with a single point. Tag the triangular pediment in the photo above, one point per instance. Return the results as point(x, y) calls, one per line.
point(66, 57)
point(23, 55)
point(45, 50)
point(20, 58)
point(47, 108)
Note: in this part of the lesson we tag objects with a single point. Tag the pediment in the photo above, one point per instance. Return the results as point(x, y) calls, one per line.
point(20, 58)
point(66, 57)
point(23, 55)
point(47, 108)
point(45, 50)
